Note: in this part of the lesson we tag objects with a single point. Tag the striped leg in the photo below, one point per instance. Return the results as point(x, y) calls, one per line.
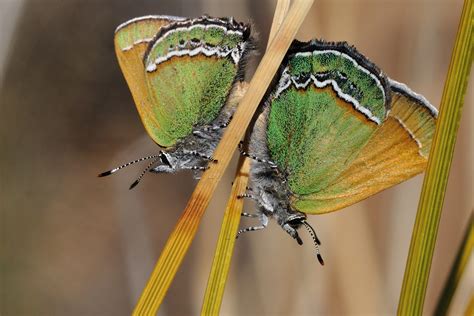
point(247, 195)
point(246, 154)
point(249, 229)
point(263, 220)
point(244, 214)
point(257, 200)
point(198, 154)
point(195, 168)
point(218, 127)
point(210, 128)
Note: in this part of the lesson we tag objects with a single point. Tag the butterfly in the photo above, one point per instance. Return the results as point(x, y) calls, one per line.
point(185, 77)
point(332, 131)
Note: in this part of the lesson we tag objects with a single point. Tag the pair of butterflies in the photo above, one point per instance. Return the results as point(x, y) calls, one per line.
point(332, 130)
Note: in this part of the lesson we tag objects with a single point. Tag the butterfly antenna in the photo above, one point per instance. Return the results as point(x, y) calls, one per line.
point(316, 241)
point(108, 173)
point(148, 168)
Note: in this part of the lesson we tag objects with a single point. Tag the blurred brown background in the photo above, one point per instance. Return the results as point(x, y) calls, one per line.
point(73, 244)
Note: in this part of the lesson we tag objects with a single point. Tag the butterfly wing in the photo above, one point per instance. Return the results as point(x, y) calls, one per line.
point(131, 42)
point(328, 103)
point(191, 67)
point(397, 151)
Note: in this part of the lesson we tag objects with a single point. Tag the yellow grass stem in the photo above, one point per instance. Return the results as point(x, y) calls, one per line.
point(225, 244)
point(185, 230)
point(457, 270)
point(230, 223)
point(434, 185)
point(470, 307)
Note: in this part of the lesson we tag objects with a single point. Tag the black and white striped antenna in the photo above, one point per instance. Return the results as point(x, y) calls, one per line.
point(108, 173)
point(148, 168)
point(317, 243)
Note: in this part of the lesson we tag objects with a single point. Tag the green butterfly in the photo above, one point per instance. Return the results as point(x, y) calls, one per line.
point(184, 76)
point(334, 130)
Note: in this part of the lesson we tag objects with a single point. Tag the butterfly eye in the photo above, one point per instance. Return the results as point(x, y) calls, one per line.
point(295, 223)
point(164, 159)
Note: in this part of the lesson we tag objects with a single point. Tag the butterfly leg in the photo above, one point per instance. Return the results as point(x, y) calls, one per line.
point(198, 154)
point(195, 168)
point(263, 220)
point(244, 214)
point(246, 154)
point(218, 126)
point(260, 201)
point(248, 196)
point(206, 131)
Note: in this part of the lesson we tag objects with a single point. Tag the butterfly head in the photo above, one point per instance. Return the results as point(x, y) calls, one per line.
point(294, 222)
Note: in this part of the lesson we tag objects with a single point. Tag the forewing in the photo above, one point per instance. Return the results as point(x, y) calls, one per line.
point(191, 67)
point(397, 151)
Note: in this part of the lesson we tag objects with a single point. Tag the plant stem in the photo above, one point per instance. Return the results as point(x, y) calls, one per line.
point(180, 239)
point(434, 185)
point(225, 244)
point(457, 270)
point(230, 224)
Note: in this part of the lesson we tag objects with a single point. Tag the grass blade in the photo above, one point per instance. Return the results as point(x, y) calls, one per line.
point(457, 270)
point(225, 244)
point(180, 239)
point(434, 185)
point(470, 307)
point(230, 224)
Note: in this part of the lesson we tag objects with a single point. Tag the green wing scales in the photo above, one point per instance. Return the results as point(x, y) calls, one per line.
point(191, 69)
point(327, 105)
point(181, 71)
point(341, 131)
point(396, 152)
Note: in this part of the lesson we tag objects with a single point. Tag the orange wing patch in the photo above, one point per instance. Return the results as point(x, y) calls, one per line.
point(396, 152)
point(131, 42)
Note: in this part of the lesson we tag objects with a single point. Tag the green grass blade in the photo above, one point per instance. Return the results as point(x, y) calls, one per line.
point(457, 270)
point(225, 244)
point(434, 185)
